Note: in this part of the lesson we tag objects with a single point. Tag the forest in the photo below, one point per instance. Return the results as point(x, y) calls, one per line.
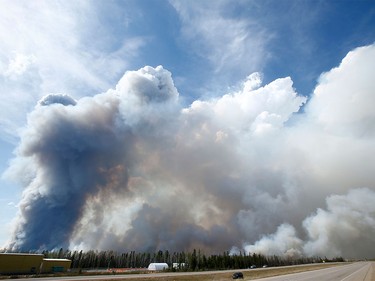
point(194, 260)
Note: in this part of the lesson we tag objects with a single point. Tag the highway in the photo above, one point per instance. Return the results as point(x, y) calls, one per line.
point(360, 271)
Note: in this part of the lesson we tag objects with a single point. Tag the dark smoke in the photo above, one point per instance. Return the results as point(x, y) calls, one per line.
point(77, 151)
point(75, 154)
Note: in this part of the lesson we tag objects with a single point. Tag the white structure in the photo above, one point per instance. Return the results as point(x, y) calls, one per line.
point(177, 265)
point(157, 266)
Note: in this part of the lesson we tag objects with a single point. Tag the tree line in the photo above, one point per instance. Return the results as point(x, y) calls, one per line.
point(194, 260)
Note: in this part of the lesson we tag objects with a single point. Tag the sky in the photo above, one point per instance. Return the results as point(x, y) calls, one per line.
point(147, 125)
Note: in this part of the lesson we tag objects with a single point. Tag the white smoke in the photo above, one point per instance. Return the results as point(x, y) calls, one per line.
point(346, 228)
point(132, 169)
point(283, 242)
point(334, 141)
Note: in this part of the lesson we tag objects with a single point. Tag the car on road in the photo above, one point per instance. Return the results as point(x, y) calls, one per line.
point(237, 275)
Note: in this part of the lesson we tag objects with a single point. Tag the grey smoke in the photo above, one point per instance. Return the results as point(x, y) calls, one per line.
point(133, 169)
point(57, 98)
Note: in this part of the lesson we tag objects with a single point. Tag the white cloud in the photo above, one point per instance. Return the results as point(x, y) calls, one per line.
point(253, 106)
point(230, 44)
point(343, 100)
point(12, 204)
point(18, 65)
point(48, 47)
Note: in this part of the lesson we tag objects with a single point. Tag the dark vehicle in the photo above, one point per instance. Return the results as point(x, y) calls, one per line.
point(237, 275)
point(253, 266)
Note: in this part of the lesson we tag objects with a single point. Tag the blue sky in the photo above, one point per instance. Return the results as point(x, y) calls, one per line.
point(83, 48)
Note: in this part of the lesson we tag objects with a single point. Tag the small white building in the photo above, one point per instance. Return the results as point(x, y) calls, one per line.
point(177, 265)
point(154, 266)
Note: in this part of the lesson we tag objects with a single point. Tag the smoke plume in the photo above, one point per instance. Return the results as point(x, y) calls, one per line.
point(133, 169)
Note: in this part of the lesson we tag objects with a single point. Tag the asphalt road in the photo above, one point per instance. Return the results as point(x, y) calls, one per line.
point(361, 271)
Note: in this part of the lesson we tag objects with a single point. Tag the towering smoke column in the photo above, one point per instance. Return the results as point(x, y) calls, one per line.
point(75, 151)
point(334, 144)
point(131, 169)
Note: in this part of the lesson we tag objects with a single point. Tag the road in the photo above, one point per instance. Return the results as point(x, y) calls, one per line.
point(361, 271)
